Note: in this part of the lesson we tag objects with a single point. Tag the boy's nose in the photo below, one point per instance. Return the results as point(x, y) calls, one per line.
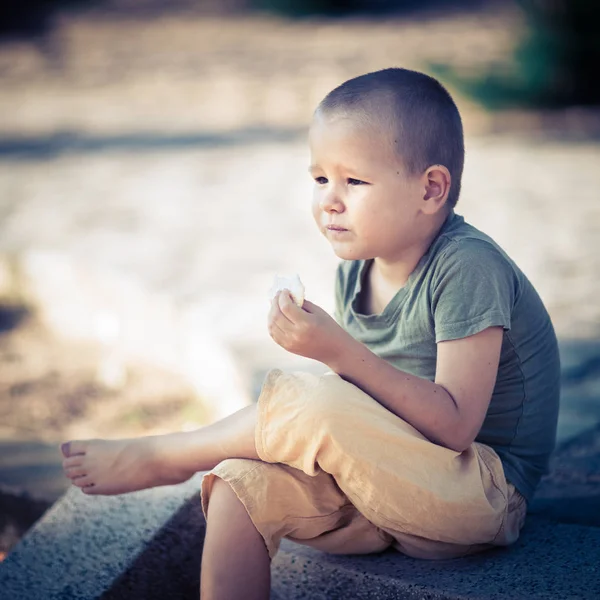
point(331, 202)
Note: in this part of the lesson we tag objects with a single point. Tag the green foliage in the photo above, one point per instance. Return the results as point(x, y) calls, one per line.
point(31, 16)
point(300, 8)
point(555, 65)
point(303, 8)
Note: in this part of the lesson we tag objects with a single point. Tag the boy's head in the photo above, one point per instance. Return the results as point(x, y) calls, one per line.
point(415, 110)
point(387, 157)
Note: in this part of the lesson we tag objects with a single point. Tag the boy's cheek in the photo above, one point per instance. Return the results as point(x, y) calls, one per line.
point(316, 210)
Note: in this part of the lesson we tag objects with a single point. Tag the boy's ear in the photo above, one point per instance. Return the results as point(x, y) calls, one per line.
point(437, 181)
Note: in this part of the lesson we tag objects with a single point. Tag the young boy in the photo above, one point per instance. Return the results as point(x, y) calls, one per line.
point(436, 422)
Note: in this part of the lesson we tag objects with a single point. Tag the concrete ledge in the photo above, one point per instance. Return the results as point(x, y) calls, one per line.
point(127, 547)
point(570, 493)
point(87, 546)
point(550, 561)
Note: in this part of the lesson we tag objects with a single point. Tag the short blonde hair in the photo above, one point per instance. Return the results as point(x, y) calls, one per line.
point(427, 125)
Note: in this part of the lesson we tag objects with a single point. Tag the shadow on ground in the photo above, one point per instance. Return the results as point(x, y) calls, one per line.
point(11, 316)
point(67, 142)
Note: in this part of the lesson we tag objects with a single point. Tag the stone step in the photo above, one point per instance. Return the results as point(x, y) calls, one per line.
point(148, 544)
point(87, 546)
point(534, 568)
point(130, 547)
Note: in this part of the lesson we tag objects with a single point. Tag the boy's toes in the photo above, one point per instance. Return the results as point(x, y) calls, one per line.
point(75, 472)
point(73, 448)
point(91, 490)
point(72, 461)
point(83, 482)
point(65, 449)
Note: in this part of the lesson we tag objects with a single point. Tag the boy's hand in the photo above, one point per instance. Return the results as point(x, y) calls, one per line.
point(308, 331)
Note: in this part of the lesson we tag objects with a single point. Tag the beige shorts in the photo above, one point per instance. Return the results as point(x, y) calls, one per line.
point(341, 473)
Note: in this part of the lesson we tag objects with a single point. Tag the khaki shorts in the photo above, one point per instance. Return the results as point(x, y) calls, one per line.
point(341, 473)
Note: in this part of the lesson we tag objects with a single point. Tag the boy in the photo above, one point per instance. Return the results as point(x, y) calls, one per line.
point(436, 422)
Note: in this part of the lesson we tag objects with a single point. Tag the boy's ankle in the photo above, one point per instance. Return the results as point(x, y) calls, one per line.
point(163, 463)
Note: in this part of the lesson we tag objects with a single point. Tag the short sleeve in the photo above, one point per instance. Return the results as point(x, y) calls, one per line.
point(475, 288)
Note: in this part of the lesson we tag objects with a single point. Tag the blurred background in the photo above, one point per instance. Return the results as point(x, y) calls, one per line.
point(153, 181)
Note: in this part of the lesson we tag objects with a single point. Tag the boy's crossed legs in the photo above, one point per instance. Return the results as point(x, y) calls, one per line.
point(321, 451)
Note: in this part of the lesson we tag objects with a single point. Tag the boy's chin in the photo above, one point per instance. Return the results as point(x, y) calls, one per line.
point(346, 254)
point(349, 250)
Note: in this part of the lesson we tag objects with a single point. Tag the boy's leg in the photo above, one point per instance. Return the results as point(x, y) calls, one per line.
point(119, 466)
point(284, 502)
point(235, 560)
point(398, 479)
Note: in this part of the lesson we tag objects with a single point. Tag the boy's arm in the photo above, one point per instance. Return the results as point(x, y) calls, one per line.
point(449, 411)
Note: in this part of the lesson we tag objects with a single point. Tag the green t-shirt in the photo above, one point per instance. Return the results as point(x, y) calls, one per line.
point(463, 284)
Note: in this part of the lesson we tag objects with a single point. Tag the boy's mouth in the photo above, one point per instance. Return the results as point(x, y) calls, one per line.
point(335, 228)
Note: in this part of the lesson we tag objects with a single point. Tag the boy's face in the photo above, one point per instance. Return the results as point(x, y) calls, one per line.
point(364, 202)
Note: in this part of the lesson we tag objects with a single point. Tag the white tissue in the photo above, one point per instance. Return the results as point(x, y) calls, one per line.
point(292, 284)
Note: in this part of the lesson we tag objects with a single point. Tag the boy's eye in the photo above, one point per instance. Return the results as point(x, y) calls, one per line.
point(350, 180)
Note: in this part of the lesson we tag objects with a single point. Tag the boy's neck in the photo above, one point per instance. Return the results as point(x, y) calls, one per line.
point(396, 273)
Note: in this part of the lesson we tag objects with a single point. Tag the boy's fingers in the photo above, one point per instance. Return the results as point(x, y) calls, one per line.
point(273, 310)
point(308, 306)
point(288, 307)
point(276, 314)
point(276, 332)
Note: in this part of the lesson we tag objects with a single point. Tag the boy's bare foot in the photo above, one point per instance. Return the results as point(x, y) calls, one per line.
point(120, 466)
point(117, 466)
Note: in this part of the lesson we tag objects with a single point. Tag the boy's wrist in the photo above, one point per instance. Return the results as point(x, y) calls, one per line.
point(338, 362)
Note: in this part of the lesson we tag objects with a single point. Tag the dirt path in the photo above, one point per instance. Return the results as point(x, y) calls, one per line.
point(52, 390)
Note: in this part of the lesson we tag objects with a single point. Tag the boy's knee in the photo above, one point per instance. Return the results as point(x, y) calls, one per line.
point(221, 488)
point(222, 500)
point(310, 402)
point(326, 406)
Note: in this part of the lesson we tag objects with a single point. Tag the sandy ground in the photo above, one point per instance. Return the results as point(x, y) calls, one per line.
point(103, 73)
point(213, 225)
point(52, 390)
